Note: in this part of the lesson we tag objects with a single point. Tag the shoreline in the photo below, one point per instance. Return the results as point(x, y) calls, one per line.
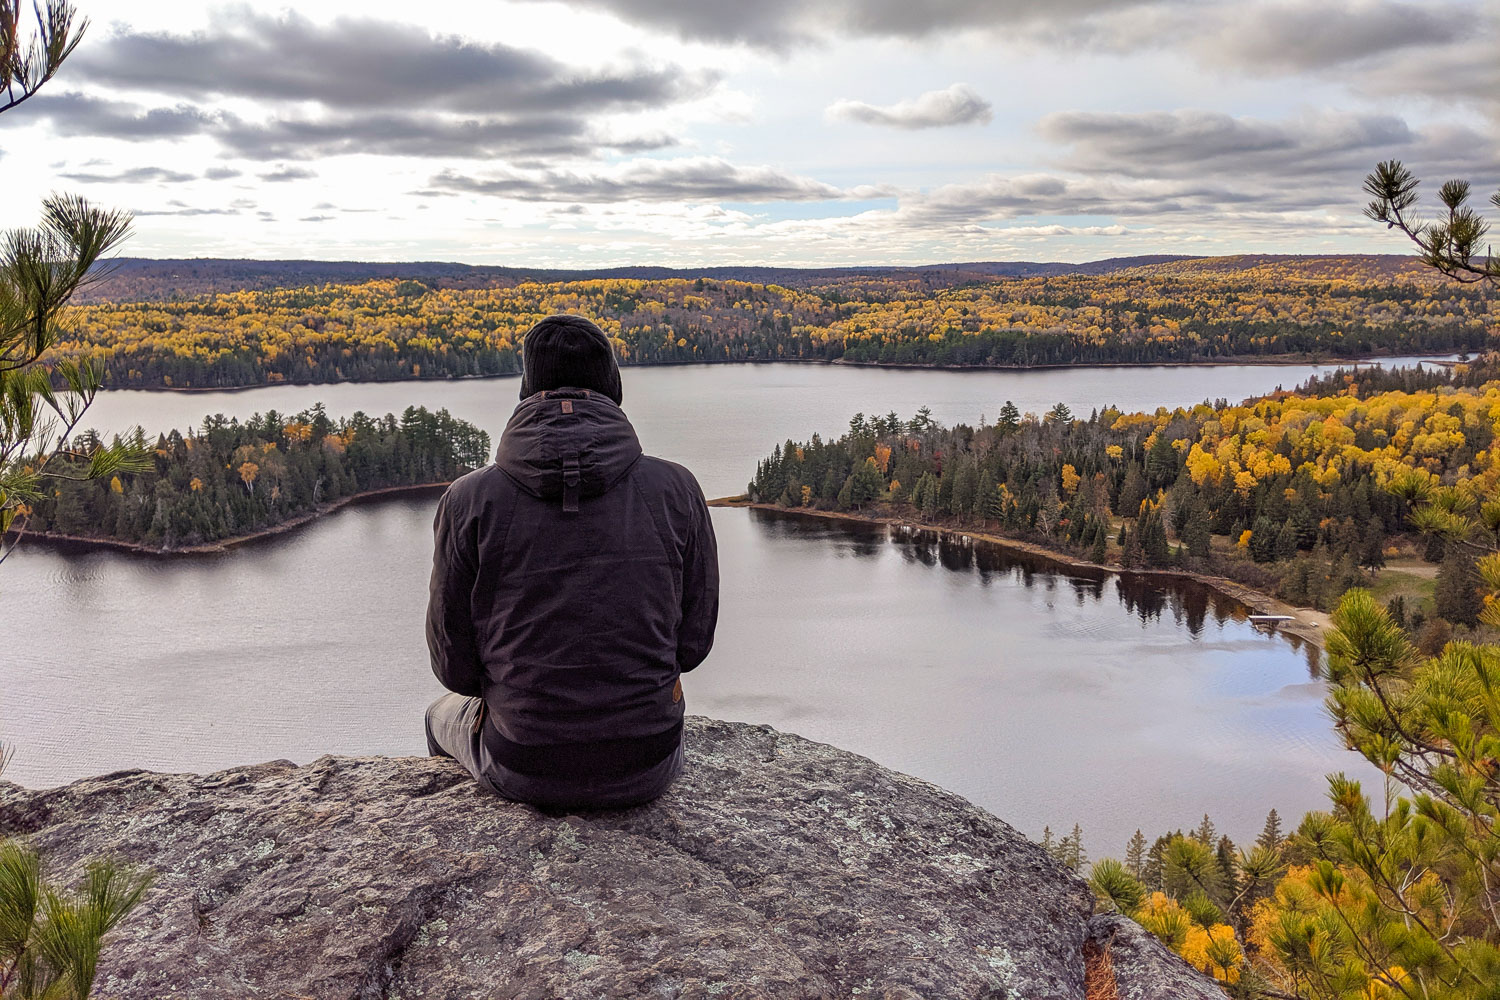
point(1308, 625)
point(57, 540)
point(1229, 361)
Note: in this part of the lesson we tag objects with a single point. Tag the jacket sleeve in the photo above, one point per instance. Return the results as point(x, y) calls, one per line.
point(700, 591)
point(450, 623)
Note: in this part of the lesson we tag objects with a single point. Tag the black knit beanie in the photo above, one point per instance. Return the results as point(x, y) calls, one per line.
point(568, 351)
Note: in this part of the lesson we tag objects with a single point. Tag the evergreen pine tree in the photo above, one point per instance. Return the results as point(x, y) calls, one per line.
point(1153, 874)
point(965, 483)
point(1229, 866)
point(1457, 591)
point(1372, 549)
point(1135, 855)
point(1286, 540)
point(865, 484)
point(1153, 539)
point(1270, 835)
point(1195, 535)
point(1069, 850)
point(1132, 492)
point(1161, 463)
point(984, 498)
point(1010, 417)
point(930, 498)
point(1206, 834)
point(1263, 537)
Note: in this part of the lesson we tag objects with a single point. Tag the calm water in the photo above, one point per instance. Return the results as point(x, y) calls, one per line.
point(1044, 697)
point(719, 419)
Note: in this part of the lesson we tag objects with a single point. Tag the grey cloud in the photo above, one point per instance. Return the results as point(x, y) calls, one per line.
point(453, 97)
point(72, 114)
point(1327, 150)
point(997, 198)
point(779, 24)
point(316, 218)
point(389, 134)
point(1303, 36)
point(1175, 143)
point(134, 175)
point(955, 105)
point(424, 136)
point(283, 174)
point(221, 173)
point(1465, 72)
point(1284, 37)
point(688, 179)
point(186, 211)
point(362, 63)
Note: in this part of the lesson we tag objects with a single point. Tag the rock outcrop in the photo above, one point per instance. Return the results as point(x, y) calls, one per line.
point(777, 867)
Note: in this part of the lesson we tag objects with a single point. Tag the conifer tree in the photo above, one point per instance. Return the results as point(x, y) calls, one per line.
point(964, 489)
point(1135, 855)
point(1153, 539)
point(1010, 417)
point(1206, 834)
point(1270, 835)
point(1454, 242)
point(1132, 491)
point(1372, 548)
point(846, 494)
point(1457, 592)
point(984, 498)
point(1286, 541)
point(930, 498)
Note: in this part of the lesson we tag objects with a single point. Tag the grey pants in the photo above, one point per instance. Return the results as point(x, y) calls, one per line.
point(453, 730)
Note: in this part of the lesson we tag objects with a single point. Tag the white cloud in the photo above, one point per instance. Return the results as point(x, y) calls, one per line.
point(959, 104)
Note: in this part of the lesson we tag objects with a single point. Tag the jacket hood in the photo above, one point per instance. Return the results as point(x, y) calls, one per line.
point(569, 441)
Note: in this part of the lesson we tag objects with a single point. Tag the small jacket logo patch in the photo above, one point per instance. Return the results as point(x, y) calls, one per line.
point(567, 406)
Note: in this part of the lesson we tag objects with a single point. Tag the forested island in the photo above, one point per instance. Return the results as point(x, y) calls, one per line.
point(229, 479)
point(1303, 494)
point(1175, 311)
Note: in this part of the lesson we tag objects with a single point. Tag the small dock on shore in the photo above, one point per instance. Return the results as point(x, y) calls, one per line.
point(1270, 623)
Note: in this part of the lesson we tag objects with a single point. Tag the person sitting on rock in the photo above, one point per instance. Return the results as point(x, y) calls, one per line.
point(573, 582)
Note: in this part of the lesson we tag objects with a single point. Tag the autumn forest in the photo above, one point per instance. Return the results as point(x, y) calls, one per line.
point(1173, 311)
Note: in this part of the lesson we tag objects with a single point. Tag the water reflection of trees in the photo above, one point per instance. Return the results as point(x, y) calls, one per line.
point(1189, 603)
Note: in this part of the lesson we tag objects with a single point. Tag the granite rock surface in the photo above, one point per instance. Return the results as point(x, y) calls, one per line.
point(776, 867)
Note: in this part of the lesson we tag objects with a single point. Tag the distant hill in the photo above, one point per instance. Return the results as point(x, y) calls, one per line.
point(1368, 267)
point(149, 280)
point(213, 324)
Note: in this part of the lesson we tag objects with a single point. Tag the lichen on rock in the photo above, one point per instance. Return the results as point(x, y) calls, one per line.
point(776, 867)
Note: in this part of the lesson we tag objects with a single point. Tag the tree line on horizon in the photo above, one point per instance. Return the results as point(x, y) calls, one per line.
point(399, 329)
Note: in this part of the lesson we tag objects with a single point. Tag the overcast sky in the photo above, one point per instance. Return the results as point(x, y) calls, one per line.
point(798, 132)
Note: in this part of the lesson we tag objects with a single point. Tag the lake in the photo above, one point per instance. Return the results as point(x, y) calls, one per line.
point(1046, 697)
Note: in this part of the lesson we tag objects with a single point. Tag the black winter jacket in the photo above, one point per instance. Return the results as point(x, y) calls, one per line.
point(572, 582)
